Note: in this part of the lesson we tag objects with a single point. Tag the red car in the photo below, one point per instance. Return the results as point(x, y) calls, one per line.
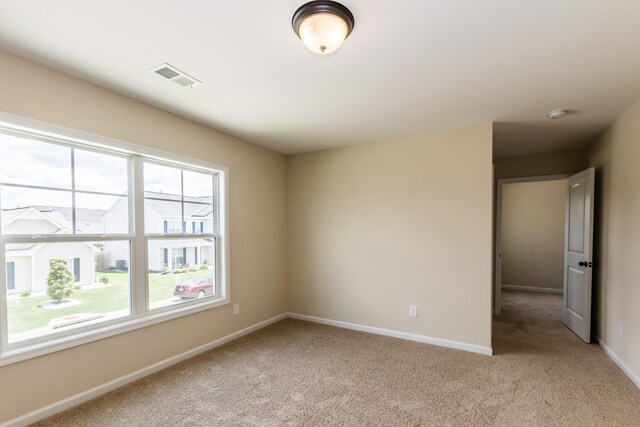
point(195, 288)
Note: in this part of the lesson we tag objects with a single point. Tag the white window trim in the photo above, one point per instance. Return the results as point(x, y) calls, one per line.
point(140, 316)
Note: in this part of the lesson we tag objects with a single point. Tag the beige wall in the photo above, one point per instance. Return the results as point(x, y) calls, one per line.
point(617, 281)
point(376, 227)
point(257, 181)
point(560, 162)
point(532, 234)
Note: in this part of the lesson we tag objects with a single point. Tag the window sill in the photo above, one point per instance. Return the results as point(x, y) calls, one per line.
point(128, 324)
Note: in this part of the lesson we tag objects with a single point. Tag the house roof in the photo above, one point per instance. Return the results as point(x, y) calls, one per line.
point(168, 205)
point(8, 215)
point(173, 209)
point(28, 249)
point(50, 215)
point(186, 243)
point(177, 197)
point(82, 214)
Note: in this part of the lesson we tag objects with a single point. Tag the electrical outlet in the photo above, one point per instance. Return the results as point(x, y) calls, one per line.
point(236, 309)
point(619, 329)
point(413, 310)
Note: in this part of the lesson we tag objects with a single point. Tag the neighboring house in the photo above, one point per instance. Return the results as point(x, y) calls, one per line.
point(164, 217)
point(88, 221)
point(27, 264)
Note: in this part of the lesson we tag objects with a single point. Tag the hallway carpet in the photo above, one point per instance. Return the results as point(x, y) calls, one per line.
point(296, 373)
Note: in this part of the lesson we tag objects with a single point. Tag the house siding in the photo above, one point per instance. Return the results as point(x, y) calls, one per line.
point(90, 227)
point(43, 257)
point(30, 226)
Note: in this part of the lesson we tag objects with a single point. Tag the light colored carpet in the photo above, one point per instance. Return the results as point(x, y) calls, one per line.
point(297, 373)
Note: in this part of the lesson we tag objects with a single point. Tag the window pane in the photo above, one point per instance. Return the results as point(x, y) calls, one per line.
point(162, 216)
point(195, 214)
point(100, 172)
point(168, 210)
point(61, 286)
point(31, 211)
point(96, 214)
point(162, 181)
point(198, 187)
point(28, 162)
point(180, 270)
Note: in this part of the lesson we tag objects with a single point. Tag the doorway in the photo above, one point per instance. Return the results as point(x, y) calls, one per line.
point(530, 235)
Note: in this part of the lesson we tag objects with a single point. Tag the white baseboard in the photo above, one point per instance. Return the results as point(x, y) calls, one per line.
point(488, 351)
point(532, 289)
point(87, 395)
point(94, 392)
point(84, 396)
point(635, 378)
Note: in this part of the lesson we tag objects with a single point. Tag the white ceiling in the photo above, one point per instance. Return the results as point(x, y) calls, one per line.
point(410, 66)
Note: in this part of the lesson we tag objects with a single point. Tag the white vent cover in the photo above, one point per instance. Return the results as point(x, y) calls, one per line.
point(170, 72)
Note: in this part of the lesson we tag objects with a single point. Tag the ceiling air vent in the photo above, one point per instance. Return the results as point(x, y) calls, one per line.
point(170, 72)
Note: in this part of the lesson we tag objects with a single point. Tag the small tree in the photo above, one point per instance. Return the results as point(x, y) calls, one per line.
point(60, 281)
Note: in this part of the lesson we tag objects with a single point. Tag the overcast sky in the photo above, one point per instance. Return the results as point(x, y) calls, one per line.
point(165, 179)
point(28, 162)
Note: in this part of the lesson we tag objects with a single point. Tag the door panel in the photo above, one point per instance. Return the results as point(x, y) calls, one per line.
point(577, 198)
point(578, 253)
point(575, 291)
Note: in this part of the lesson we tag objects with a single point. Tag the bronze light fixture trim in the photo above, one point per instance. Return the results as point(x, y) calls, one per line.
point(323, 25)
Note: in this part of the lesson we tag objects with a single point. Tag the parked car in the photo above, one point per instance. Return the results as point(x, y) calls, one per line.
point(198, 287)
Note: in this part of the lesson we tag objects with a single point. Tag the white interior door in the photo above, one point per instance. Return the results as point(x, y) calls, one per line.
point(578, 261)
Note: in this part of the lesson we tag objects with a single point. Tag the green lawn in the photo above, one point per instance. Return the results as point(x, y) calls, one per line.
point(24, 314)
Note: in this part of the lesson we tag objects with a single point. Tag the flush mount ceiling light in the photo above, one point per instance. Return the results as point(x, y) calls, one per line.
point(323, 25)
point(557, 114)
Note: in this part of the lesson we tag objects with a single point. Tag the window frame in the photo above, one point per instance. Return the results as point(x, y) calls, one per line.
point(140, 314)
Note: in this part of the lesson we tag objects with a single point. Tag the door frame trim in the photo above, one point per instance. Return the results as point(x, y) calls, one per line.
point(498, 229)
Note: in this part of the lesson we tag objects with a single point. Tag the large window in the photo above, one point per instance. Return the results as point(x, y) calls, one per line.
point(100, 236)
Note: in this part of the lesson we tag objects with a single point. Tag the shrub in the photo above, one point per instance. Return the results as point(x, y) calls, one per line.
point(25, 294)
point(77, 287)
point(204, 267)
point(180, 270)
point(60, 280)
point(165, 268)
point(104, 280)
point(193, 268)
